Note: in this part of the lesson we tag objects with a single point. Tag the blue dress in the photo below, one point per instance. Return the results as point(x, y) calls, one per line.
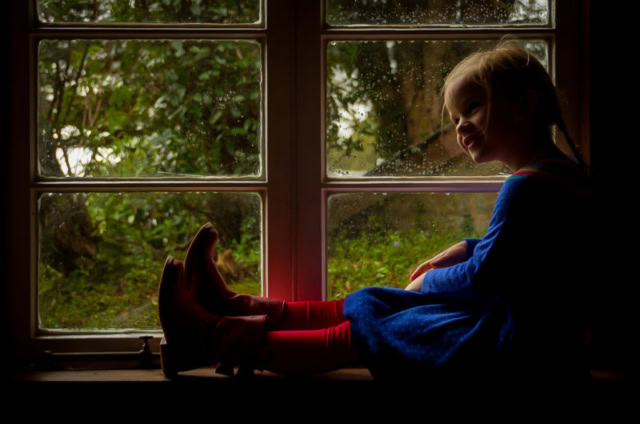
point(514, 306)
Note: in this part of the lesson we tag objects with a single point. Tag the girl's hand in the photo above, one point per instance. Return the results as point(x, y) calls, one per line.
point(416, 284)
point(453, 255)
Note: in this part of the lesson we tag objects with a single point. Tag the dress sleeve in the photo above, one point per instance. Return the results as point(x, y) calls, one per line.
point(458, 282)
point(471, 245)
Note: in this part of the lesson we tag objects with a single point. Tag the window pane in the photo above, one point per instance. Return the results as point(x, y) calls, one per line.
point(101, 254)
point(150, 11)
point(142, 108)
point(376, 239)
point(437, 12)
point(384, 110)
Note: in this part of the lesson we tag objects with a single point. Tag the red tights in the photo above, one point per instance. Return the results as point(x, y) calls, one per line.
point(312, 337)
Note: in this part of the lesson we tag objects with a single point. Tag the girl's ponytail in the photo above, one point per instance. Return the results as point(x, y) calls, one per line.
point(574, 149)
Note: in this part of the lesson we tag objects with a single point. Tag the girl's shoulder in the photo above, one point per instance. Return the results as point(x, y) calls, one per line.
point(559, 173)
point(549, 192)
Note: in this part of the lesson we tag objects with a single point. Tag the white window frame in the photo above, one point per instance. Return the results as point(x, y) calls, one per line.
point(295, 188)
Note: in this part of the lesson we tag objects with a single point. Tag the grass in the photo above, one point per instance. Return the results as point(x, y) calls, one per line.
point(384, 259)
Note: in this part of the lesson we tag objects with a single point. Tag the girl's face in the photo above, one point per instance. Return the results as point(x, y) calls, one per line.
point(483, 141)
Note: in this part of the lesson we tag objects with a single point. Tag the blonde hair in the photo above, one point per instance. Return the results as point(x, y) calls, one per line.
point(510, 71)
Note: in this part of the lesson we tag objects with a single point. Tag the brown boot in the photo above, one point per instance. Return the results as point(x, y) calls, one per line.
point(194, 337)
point(210, 289)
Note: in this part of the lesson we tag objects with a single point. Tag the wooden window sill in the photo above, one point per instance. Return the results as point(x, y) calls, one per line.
point(267, 391)
point(198, 375)
point(208, 374)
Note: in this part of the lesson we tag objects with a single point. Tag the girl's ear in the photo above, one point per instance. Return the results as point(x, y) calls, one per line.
point(528, 103)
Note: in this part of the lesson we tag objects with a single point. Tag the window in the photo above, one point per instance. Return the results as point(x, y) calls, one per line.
point(395, 188)
point(146, 117)
point(317, 159)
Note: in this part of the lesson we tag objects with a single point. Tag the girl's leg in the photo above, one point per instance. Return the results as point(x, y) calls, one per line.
point(195, 336)
point(211, 291)
point(307, 352)
point(310, 315)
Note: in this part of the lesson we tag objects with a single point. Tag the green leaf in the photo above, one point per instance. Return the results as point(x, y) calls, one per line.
point(202, 53)
point(215, 117)
point(195, 7)
point(177, 46)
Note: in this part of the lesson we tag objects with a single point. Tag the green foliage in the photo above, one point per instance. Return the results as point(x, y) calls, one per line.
point(412, 13)
point(120, 291)
point(149, 108)
point(140, 108)
point(150, 11)
point(104, 273)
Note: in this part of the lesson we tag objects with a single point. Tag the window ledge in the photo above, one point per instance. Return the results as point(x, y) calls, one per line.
point(266, 389)
point(207, 375)
point(131, 386)
point(198, 375)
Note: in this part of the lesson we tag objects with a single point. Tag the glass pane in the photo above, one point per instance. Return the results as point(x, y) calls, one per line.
point(437, 12)
point(384, 111)
point(376, 239)
point(142, 108)
point(150, 11)
point(101, 254)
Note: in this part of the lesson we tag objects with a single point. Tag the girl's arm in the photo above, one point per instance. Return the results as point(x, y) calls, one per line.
point(534, 241)
point(455, 254)
point(487, 258)
point(471, 245)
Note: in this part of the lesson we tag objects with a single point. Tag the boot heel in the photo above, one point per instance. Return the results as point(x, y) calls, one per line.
point(245, 372)
point(225, 369)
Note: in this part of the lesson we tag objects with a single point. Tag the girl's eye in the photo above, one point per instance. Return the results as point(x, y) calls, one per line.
point(473, 106)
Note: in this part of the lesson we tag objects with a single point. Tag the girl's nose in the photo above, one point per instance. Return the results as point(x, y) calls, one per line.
point(462, 125)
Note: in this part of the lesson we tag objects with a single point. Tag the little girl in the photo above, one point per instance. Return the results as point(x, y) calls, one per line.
point(507, 305)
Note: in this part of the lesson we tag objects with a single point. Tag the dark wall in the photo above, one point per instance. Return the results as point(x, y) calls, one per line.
point(614, 134)
point(5, 343)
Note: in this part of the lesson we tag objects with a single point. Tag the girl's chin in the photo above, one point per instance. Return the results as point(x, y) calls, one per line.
point(481, 159)
point(477, 158)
